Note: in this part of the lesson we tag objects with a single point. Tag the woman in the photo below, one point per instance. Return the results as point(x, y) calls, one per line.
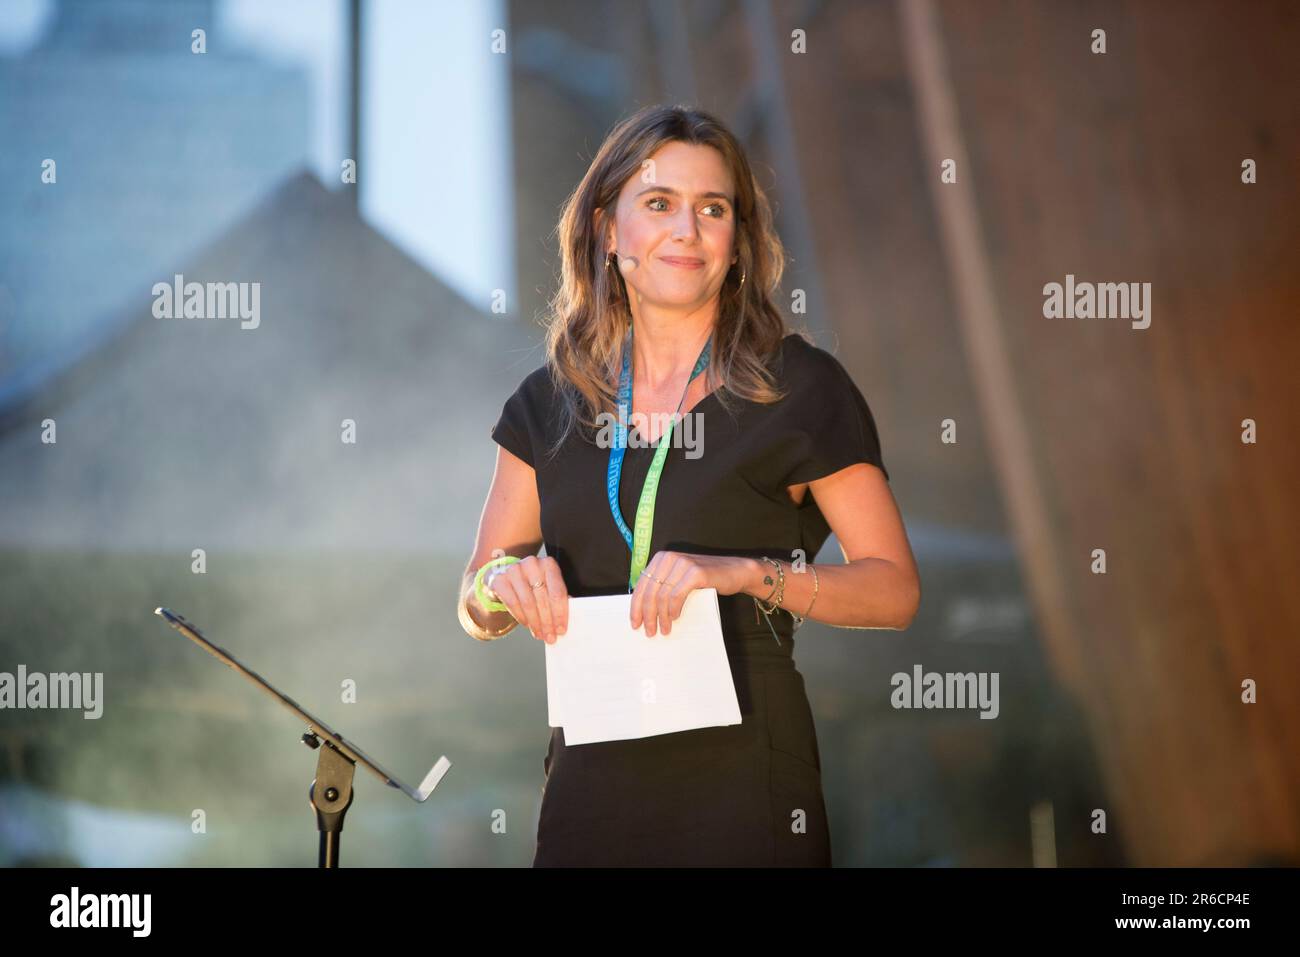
point(669, 262)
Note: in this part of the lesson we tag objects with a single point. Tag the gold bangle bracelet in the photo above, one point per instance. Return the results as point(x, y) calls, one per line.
point(799, 619)
point(473, 628)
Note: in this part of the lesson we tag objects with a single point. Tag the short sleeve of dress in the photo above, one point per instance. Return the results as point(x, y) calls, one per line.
point(519, 429)
point(829, 424)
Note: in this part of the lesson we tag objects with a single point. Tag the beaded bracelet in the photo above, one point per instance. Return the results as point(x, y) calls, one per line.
point(768, 605)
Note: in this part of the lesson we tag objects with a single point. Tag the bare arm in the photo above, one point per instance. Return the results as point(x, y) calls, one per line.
point(880, 586)
point(509, 525)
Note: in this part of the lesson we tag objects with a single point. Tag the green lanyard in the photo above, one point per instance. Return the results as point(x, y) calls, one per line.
point(639, 542)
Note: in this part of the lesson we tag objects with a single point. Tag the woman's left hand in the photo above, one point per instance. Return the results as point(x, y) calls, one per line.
point(670, 576)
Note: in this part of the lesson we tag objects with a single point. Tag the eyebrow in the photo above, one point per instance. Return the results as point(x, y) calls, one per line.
point(672, 192)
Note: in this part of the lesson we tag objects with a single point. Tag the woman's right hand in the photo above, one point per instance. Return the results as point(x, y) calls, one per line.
point(544, 610)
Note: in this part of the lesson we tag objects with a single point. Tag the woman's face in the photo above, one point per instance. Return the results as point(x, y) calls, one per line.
point(677, 218)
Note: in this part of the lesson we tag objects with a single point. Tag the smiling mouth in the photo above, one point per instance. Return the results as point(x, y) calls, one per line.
point(682, 263)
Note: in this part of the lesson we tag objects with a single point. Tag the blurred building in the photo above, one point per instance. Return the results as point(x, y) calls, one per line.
point(157, 150)
point(184, 433)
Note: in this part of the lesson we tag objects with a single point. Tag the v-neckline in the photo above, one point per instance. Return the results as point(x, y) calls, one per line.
point(642, 447)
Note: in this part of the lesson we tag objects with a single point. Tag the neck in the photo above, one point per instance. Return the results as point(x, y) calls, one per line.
point(664, 345)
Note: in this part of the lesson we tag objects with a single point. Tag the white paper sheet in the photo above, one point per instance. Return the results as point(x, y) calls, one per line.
point(607, 682)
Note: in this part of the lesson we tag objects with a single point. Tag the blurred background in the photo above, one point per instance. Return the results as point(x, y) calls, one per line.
point(408, 299)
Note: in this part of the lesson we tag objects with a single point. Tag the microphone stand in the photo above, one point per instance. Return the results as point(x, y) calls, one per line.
point(331, 791)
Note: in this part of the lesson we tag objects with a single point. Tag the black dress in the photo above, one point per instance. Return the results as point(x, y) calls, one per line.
point(742, 795)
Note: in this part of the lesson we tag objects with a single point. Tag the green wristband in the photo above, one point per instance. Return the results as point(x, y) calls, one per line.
point(480, 589)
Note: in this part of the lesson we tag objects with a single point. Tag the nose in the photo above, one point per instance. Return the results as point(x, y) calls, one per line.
point(685, 226)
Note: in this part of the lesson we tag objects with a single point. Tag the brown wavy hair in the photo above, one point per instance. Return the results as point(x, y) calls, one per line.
point(589, 315)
